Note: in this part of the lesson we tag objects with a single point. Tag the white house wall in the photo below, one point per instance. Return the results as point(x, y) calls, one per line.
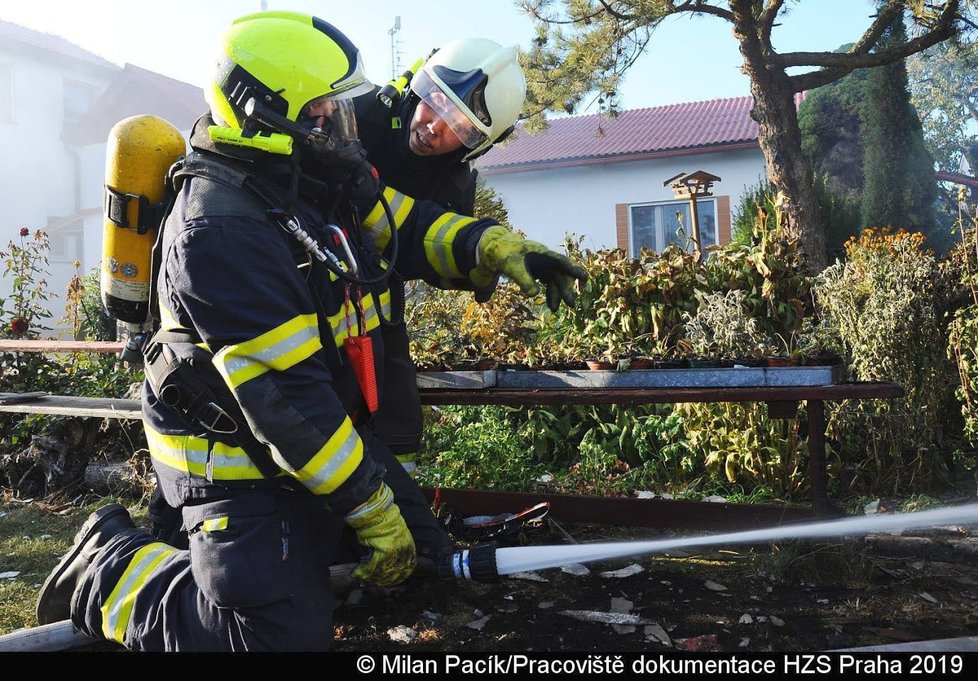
point(38, 176)
point(549, 203)
point(38, 180)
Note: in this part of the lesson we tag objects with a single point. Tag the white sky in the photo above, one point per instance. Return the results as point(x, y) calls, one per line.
point(690, 58)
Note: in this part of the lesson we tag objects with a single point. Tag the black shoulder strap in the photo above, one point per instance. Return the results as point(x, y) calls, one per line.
point(196, 164)
point(179, 386)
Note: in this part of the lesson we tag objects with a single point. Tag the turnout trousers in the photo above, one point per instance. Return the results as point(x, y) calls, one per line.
point(255, 578)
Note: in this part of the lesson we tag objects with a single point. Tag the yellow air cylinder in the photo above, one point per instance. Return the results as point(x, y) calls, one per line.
point(138, 154)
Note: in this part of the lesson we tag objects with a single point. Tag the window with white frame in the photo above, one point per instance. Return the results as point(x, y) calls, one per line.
point(656, 225)
point(66, 242)
point(6, 93)
point(78, 97)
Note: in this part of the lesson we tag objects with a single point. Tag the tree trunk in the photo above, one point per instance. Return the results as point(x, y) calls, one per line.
point(780, 138)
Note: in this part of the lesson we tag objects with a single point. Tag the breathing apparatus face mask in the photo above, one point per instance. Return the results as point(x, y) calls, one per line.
point(326, 129)
point(332, 127)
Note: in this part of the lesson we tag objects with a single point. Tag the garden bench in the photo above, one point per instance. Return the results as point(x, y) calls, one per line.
point(782, 402)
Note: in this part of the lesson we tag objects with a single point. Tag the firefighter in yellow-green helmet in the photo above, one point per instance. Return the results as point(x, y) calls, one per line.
point(273, 276)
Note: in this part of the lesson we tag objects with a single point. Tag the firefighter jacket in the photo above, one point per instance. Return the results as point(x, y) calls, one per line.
point(270, 326)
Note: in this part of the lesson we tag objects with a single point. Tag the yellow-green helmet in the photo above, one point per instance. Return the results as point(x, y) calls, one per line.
point(281, 63)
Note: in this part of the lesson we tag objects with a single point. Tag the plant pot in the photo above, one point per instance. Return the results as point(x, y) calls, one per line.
point(704, 363)
point(669, 363)
point(640, 363)
point(823, 359)
point(601, 365)
point(476, 365)
point(749, 361)
point(782, 361)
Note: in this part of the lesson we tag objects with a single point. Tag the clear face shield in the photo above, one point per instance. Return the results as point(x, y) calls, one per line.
point(432, 95)
point(332, 124)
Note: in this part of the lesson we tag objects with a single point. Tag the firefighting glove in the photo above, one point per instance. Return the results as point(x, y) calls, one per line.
point(381, 530)
point(500, 251)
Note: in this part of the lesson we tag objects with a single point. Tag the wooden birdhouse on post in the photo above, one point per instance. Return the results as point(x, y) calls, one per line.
point(693, 186)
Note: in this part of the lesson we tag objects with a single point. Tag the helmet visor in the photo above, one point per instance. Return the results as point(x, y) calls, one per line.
point(335, 120)
point(447, 110)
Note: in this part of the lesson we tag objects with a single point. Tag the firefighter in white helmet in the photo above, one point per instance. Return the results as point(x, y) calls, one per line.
point(421, 132)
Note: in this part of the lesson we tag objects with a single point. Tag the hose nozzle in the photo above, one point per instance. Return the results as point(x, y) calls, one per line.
point(477, 564)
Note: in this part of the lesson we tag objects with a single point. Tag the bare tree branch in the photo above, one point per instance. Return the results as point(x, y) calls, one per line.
point(703, 6)
point(839, 64)
point(884, 18)
point(615, 13)
point(767, 18)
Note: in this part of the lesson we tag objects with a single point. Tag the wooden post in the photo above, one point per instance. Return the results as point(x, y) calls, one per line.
point(694, 217)
point(816, 457)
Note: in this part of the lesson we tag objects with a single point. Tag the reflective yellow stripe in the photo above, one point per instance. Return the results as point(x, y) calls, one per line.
point(337, 322)
point(376, 222)
point(385, 304)
point(371, 320)
point(117, 609)
point(282, 347)
point(334, 463)
point(438, 243)
point(189, 454)
point(215, 524)
point(167, 321)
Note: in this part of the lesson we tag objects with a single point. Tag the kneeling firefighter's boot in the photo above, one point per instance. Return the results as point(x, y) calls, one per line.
point(54, 601)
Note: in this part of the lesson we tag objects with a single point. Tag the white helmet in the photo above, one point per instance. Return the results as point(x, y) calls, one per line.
point(477, 87)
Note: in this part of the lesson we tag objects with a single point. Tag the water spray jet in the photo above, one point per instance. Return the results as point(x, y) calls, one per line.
point(485, 562)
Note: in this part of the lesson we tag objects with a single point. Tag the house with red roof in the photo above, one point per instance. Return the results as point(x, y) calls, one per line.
point(603, 178)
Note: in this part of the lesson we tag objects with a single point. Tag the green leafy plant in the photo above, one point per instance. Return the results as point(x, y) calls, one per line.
point(770, 271)
point(962, 266)
point(886, 308)
point(742, 445)
point(81, 374)
point(722, 327)
point(433, 318)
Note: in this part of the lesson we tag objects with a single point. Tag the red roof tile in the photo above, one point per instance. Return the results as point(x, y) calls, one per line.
point(638, 132)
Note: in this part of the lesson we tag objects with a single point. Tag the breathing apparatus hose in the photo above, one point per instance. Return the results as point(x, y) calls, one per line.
point(385, 275)
point(291, 225)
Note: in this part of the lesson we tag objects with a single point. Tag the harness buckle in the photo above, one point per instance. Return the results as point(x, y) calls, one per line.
point(209, 416)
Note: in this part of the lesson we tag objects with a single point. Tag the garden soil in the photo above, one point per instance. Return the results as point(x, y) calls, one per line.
point(787, 597)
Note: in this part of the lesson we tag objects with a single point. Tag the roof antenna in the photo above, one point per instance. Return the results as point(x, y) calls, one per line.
point(395, 54)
